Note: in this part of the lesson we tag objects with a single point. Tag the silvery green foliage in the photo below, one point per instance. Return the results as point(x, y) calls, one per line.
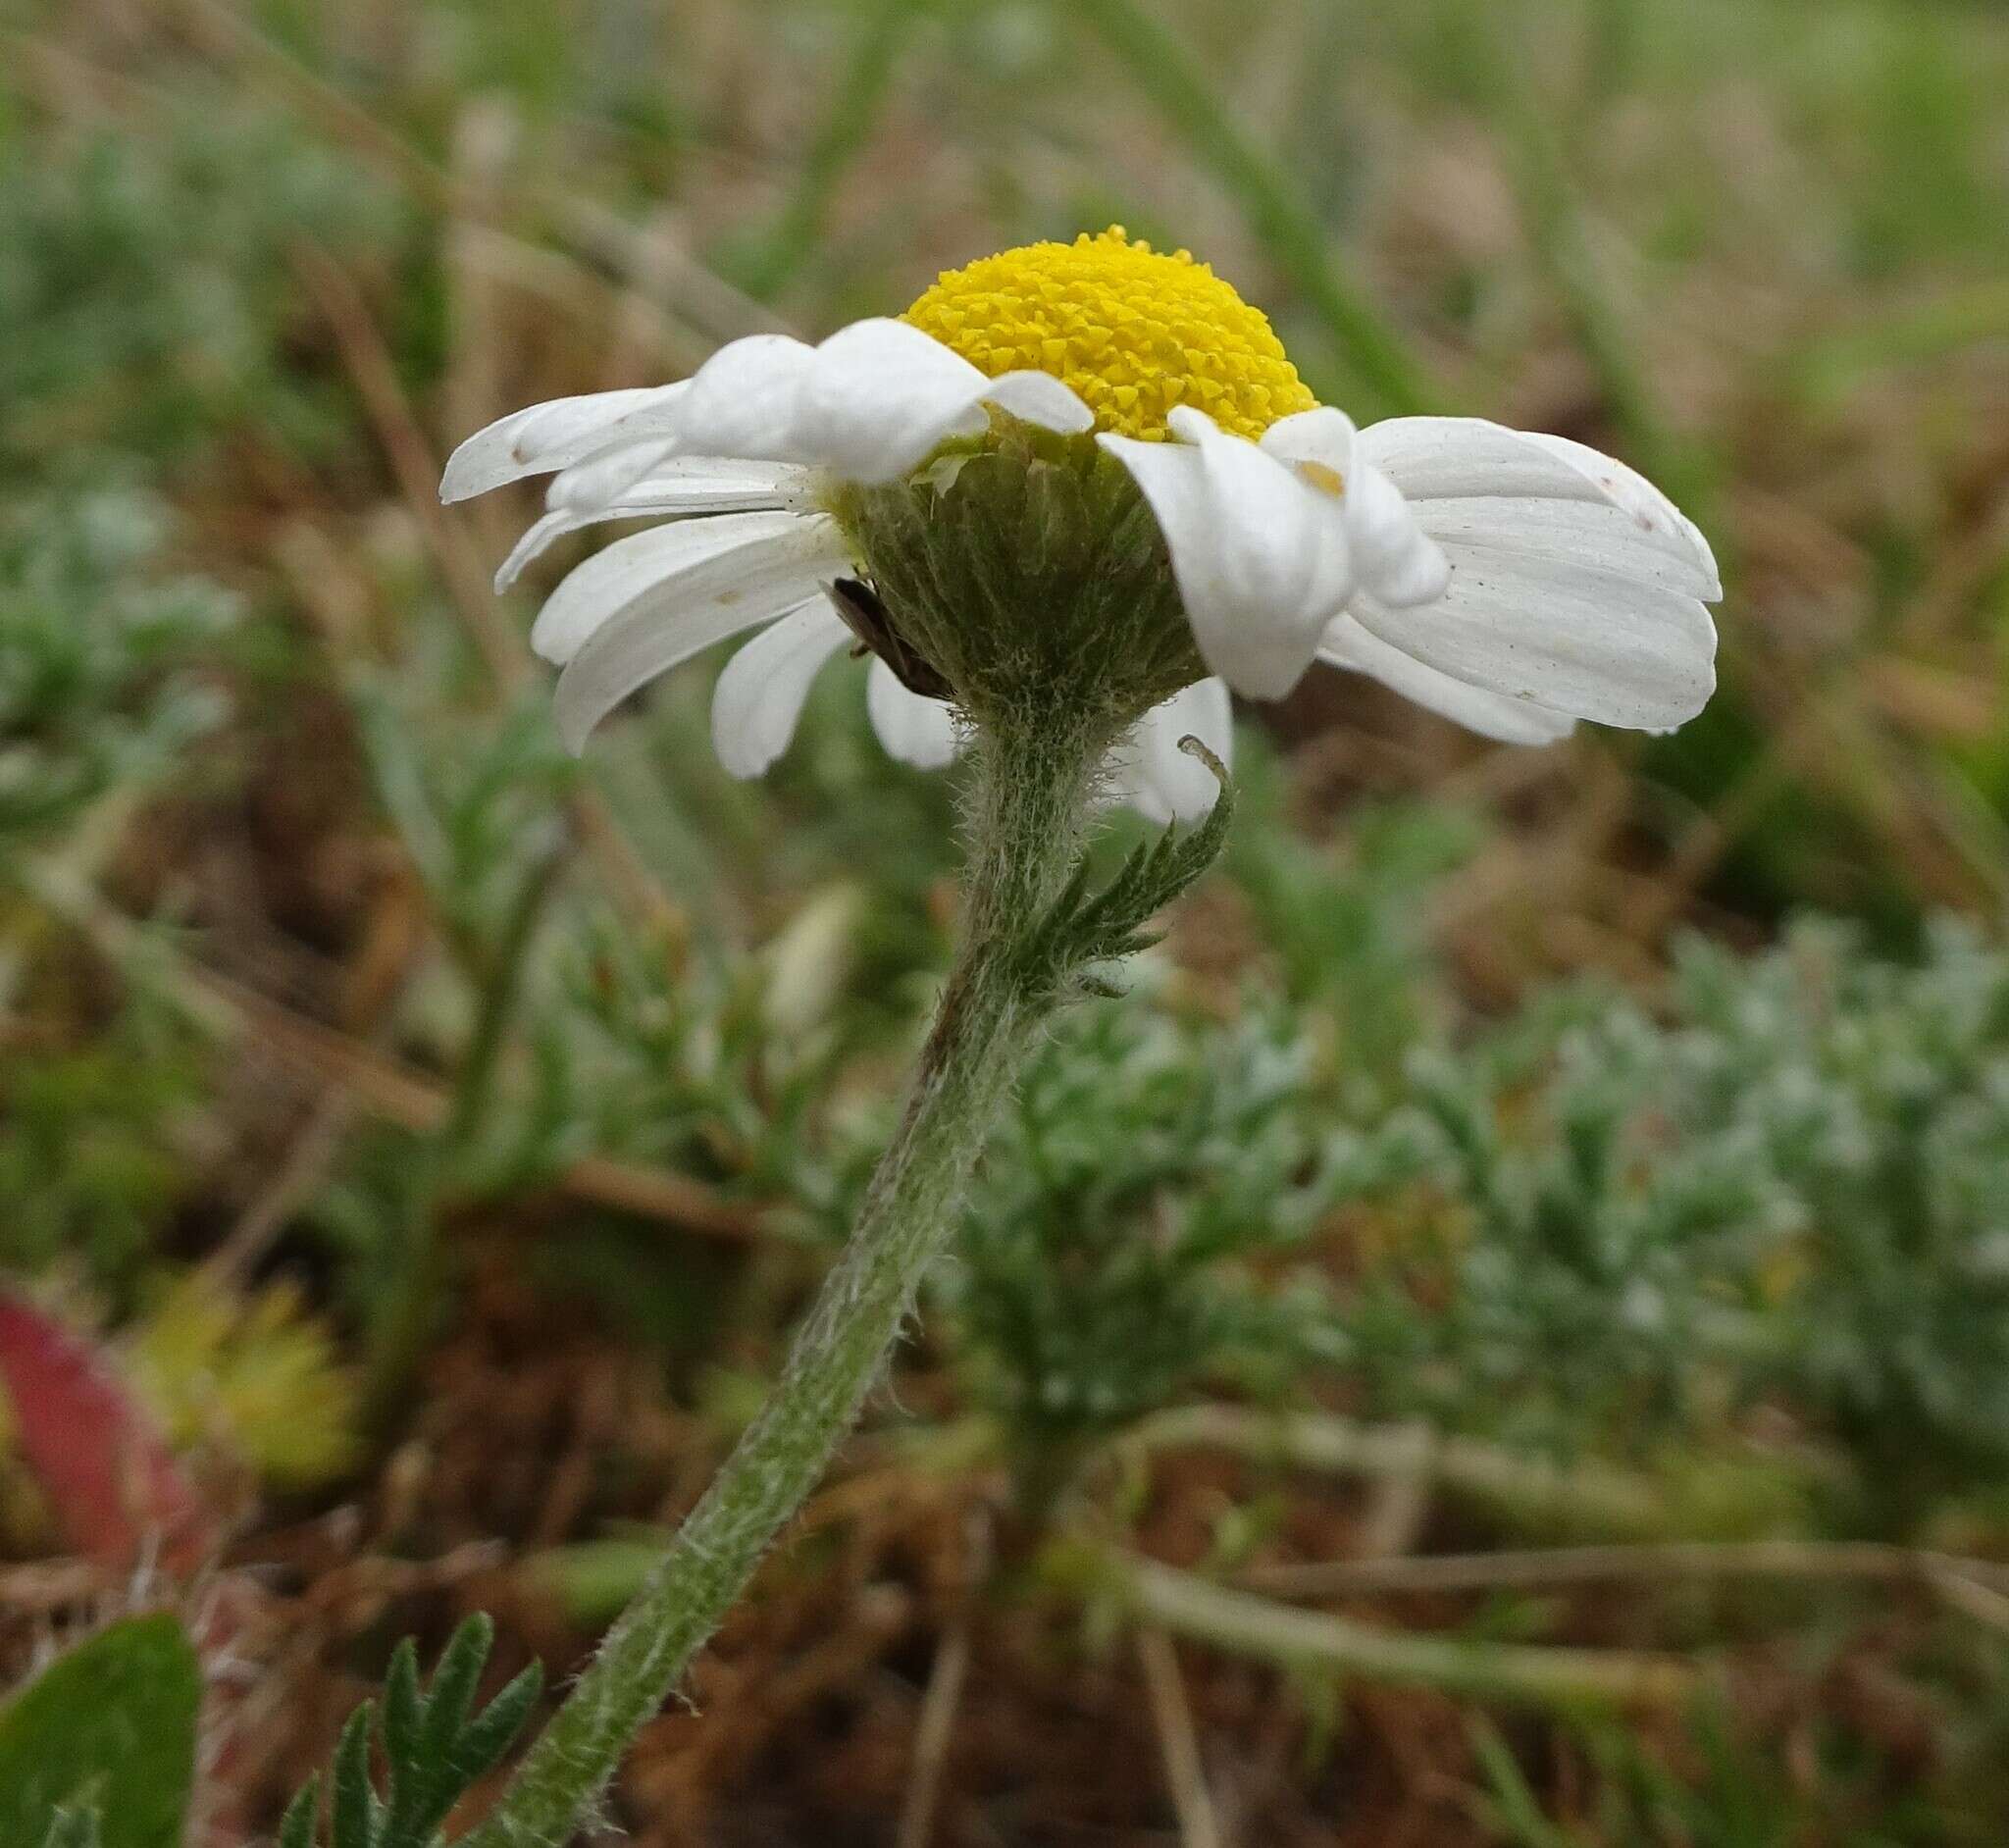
point(1789, 1186)
point(436, 1747)
point(1880, 1095)
point(679, 1060)
point(1344, 917)
point(98, 643)
point(1606, 1223)
point(1140, 1224)
point(1093, 923)
point(1102, 1268)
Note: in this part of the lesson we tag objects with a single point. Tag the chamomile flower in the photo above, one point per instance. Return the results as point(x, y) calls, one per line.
point(1089, 473)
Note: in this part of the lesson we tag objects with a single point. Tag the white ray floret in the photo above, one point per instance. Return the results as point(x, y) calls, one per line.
point(761, 692)
point(1261, 561)
point(1155, 775)
point(869, 405)
point(542, 438)
point(679, 489)
point(914, 728)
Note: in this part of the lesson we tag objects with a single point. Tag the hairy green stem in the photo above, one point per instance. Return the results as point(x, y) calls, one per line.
point(1028, 817)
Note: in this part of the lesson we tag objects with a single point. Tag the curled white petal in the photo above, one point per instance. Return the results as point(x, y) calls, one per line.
point(668, 619)
point(869, 404)
point(1323, 435)
point(1452, 458)
point(1260, 563)
point(880, 396)
point(1158, 779)
point(914, 728)
point(1038, 398)
point(544, 437)
point(1490, 714)
point(632, 569)
point(679, 489)
point(1397, 559)
point(1393, 557)
point(744, 401)
point(760, 693)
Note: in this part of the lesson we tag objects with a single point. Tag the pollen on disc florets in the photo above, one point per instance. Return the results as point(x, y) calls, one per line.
point(1135, 333)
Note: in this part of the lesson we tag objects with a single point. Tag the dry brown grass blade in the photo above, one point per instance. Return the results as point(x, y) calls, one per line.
point(417, 471)
point(1550, 1567)
point(393, 1089)
point(1178, 1741)
point(1589, 1493)
point(932, 1736)
point(1243, 1624)
point(229, 1009)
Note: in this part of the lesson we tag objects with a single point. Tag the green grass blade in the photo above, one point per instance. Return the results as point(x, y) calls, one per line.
point(1172, 76)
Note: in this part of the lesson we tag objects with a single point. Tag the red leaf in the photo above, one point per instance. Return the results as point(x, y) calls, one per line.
point(117, 1490)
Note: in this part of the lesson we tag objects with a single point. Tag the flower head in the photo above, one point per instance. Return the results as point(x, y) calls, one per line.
point(1087, 478)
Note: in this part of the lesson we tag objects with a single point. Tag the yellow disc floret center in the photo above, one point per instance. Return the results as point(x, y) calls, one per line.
point(1134, 332)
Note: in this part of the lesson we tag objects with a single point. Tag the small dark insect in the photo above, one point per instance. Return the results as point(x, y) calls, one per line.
point(867, 618)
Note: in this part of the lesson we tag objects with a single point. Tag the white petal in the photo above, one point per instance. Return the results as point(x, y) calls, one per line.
point(1038, 398)
point(702, 484)
point(1633, 493)
point(1432, 458)
point(538, 538)
point(555, 434)
point(670, 619)
point(1158, 779)
point(914, 728)
point(1261, 565)
point(1398, 561)
point(1436, 458)
point(679, 489)
point(607, 476)
point(759, 697)
point(1490, 714)
point(1565, 635)
point(744, 401)
point(632, 569)
point(1393, 557)
point(1323, 435)
point(1591, 533)
point(869, 404)
point(880, 396)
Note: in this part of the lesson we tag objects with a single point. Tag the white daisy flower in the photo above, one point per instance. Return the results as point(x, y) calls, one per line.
point(1514, 583)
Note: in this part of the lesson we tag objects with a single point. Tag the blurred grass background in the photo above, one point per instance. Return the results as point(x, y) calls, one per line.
point(441, 1134)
